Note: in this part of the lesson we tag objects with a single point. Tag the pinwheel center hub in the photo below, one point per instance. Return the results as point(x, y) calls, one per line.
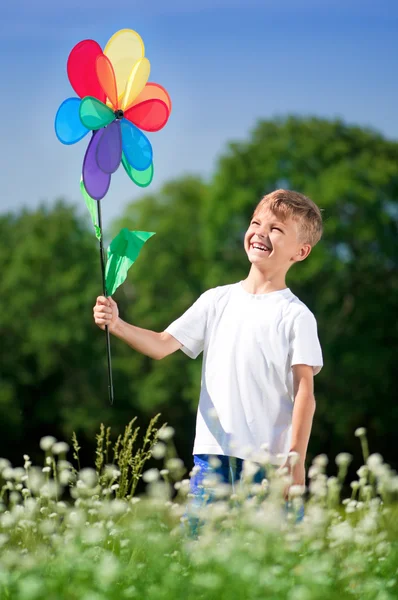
point(119, 114)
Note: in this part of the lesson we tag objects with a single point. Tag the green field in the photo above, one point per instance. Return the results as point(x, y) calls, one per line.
point(83, 534)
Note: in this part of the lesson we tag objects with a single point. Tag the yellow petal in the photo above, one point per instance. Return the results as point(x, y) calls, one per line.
point(124, 49)
point(138, 77)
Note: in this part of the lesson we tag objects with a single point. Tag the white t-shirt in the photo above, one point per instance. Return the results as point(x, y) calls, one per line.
point(250, 343)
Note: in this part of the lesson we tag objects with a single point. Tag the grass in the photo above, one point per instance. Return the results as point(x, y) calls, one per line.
point(82, 534)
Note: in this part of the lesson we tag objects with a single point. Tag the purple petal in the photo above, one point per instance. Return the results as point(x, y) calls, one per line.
point(109, 149)
point(95, 181)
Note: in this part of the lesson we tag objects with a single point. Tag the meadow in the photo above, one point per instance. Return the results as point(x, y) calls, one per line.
point(82, 533)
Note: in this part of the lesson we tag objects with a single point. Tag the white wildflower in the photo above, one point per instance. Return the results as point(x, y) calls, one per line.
point(360, 432)
point(159, 450)
point(374, 461)
point(166, 433)
point(64, 464)
point(8, 473)
point(18, 473)
point(60, 448)
point(294, 457)
point(4, 463)
point(46, 470)
point(296, 490)
point(47, 442)
point(89, 477)
point(313, 471)
point(249, 470)
point(363, 471)
point(107, 570)
point(343, 459)
point(175, 465)
point(151, 475)
point(65, 477)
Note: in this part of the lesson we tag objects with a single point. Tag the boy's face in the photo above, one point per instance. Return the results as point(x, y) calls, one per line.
point(272, 243)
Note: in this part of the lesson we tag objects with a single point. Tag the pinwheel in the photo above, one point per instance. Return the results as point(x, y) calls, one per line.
point(115, 102)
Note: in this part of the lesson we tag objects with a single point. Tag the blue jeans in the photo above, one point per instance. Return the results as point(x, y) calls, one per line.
point(229, 470)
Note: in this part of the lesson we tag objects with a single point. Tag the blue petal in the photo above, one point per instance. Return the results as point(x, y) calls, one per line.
point(68, 127)
point(136, 146)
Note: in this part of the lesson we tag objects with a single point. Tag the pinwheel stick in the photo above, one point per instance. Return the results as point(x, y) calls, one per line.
point(108, 341)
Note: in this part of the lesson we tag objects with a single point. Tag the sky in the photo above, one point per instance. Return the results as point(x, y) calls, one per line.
point(225, 63)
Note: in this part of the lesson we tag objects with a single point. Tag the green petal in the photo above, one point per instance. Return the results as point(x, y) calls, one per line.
point(95, 114)
point(92, 208)
point(122, 253)
point(141, 178)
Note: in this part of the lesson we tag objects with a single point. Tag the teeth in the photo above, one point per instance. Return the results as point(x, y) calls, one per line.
point(258, 247)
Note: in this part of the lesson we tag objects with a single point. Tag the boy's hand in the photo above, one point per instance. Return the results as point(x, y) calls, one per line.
point(296, 472)
point(106, 312)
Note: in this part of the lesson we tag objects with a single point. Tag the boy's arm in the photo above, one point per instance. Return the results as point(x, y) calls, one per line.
point(303, 409)
point(153, 344)
point(303, 413)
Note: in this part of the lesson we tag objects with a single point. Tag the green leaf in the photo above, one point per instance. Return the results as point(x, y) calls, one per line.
point(140, 178)
point(122, 253)
point(92, 208)
point(95, 114)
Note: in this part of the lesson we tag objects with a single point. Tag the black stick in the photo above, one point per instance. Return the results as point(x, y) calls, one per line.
point(108, 340)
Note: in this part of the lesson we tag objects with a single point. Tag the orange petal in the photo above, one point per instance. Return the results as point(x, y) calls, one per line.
point(153, 91)
point(150, 115)
point(106, 77)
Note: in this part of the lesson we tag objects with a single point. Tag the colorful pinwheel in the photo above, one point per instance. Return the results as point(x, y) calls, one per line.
point(115, 102)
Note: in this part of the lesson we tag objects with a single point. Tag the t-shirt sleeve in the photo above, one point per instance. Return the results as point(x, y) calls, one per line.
point(305, 348)
point(190, 328)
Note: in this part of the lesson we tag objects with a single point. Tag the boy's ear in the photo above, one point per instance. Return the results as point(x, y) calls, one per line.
point(303, 252)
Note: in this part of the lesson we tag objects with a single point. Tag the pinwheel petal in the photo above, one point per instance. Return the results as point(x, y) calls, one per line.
point(68, 127)
point(94, 114)
point(153, 91)
point(109, 149)
point(136, 146)
point(123, 50)
point(82, 72)
point(150, 115)
point(136, 82)
point(106, 77)
point(141, 178)
point(95, 181)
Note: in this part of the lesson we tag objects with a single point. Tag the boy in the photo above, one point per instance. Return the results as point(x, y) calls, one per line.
point(260, 345)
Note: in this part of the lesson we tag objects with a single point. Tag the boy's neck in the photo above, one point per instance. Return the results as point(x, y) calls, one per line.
point(258, 282)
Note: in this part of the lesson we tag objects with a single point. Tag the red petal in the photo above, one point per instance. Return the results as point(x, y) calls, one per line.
point(82, 72)
point(150, 115)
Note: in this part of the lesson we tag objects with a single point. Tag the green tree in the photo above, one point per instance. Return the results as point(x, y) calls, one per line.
point(52, 356)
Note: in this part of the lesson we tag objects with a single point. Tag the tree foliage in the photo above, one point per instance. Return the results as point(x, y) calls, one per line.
point(53, 372)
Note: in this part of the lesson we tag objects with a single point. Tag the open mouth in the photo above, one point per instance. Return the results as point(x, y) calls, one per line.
point(261, 247)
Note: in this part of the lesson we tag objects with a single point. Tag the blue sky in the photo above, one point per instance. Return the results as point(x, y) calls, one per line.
point(225, 63)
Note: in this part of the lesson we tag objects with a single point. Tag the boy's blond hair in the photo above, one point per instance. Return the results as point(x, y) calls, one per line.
point(286, 203)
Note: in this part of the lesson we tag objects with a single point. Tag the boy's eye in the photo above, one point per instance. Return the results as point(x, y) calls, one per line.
point(255, 223)
point(277, 228)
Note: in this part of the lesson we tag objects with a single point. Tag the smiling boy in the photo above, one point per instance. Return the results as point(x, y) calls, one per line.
point(260, 347)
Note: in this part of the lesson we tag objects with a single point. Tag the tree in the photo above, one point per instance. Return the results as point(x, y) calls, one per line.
point(52, 356)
